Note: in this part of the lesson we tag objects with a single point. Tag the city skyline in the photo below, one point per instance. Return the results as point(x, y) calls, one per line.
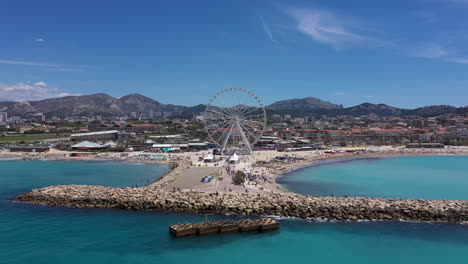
point(406, 55)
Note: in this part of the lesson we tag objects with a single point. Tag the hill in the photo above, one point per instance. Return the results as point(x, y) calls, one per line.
point(303, 104)
point(89, 105)
point(106, 105)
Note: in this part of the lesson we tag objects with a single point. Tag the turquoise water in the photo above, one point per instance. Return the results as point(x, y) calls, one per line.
point(432, 177)
point(43, 234)
point(21, 176)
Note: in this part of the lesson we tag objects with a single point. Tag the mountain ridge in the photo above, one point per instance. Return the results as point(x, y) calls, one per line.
point(303, 103)
point(106, 105)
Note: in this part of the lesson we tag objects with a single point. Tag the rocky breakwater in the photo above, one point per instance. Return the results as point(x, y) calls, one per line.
point(293, 205)
point(176, 169)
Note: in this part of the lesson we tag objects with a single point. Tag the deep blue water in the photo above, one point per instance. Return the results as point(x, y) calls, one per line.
point(43, 234)
point(428, 177)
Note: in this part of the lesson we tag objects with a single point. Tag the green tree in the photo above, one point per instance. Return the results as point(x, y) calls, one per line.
point(239, 178)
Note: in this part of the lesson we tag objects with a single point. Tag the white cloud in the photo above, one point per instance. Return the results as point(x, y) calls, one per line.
point(39, 40)
point(66, 94)
point(459, 60)
point(325, 27)
point(457, 1)
point(431, 51)
point(47, 66)
point(25, 92)
point(30, 63)
point(437, 51)
point(63, 69)
point(449, 2)
point(43, 84)
point(340, 32)
point(267, 30)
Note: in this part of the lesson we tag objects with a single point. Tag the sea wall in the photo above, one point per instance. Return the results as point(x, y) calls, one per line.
point(176, 168)
point(294, 205)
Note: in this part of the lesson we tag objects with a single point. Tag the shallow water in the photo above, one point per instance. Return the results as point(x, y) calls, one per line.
point(425, 177)
point(43, 234)
point(20, 176)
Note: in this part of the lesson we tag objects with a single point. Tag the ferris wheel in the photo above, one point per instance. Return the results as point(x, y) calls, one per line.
point(235, 119)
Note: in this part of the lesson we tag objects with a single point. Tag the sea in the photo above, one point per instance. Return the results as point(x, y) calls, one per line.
point(45, 234)
point(414, 177)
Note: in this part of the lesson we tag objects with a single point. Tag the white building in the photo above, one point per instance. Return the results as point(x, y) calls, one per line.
point(199, 117)
point(101, 135)
point(3, 118)
point(299, 120)
point(460, 135)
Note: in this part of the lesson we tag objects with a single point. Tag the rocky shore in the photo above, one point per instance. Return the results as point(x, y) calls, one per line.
point(176, 169)
point(290, 205)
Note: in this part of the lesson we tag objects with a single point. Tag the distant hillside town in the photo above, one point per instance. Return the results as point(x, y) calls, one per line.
point(135, 122)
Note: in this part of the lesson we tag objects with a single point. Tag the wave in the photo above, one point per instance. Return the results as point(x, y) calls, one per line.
point(322, 219)
point(1, 159)
point(133, 163)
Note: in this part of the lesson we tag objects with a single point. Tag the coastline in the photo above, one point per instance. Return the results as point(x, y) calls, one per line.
point(279, 203)
point(184, 161)
point(65, 156)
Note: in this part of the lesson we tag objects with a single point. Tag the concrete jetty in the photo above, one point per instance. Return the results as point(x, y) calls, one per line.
point(290, 205)
point(209, 227)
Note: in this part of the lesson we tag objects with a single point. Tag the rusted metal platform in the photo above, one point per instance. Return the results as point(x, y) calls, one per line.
point(209, 227)
point(268, 224)
point(249, 225)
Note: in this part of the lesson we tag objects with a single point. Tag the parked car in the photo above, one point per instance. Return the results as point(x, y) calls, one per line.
point(207, 179)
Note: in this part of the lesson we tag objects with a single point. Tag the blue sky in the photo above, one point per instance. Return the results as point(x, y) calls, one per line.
point(405, 53)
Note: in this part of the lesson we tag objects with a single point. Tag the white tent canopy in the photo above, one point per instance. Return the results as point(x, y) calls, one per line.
point(234, 159)
point(210, 157)
point(87, 144)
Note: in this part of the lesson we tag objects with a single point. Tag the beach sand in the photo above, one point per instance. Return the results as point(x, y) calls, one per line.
point(191, 171)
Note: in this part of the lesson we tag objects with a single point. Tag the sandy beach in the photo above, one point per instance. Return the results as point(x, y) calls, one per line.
point(262, 168)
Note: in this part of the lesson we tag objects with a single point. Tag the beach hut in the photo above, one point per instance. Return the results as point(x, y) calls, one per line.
point(234, 159)
point(208, 158)
point(163, 147)
point(29, 148)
